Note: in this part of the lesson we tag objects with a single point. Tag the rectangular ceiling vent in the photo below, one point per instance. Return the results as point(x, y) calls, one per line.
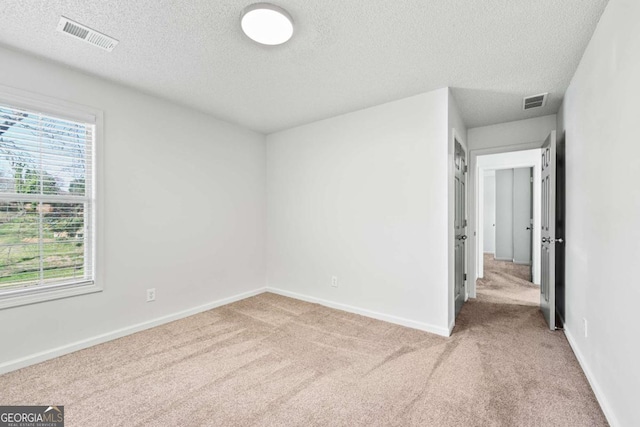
point(86, 34)
point(535, 101)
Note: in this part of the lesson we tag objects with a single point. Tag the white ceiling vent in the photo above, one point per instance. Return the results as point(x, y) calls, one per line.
point(535, 101)
point(86, 34)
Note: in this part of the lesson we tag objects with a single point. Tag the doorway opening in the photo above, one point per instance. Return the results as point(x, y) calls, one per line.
point(508, 206)
point(508, 216)
point(508, 213)
point(507, 226)
point(543, 164)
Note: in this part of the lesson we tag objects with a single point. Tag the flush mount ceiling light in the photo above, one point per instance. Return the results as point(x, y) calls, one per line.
point(266, 23)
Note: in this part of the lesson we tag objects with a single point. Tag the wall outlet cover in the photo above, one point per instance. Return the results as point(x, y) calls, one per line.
point(586, 330)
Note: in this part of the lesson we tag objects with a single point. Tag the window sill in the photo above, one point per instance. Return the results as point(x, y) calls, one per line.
point(33, 296)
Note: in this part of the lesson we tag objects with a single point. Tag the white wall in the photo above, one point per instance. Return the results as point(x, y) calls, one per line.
point(504, 214)
point(489, 219)
point(363, 197)
point(515, 133)
point(601, 114)
point(184, 207)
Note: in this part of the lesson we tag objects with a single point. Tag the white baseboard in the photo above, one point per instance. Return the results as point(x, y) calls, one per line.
point(451, 326)
point(522, 262)
point(503, 259)
point(597, 390)
point(445, 332)
point(32, 359)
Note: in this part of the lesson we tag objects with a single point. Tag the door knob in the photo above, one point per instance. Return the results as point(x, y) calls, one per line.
point(528, 228)
point(551, 240)
point(463, 237)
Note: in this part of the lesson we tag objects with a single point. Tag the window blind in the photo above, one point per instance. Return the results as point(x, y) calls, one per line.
point(46, 201)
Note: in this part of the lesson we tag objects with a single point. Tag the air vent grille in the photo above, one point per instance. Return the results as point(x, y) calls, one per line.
point(86, 34)
point(74, 30)
point(535, 101)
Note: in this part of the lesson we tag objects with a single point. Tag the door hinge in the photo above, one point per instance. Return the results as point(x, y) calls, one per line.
point(464, 277)
point(531, 179)
point(466, 168)
point(465, 223)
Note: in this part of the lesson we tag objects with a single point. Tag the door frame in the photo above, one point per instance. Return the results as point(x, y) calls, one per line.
point(475, 178)
point(531, 160)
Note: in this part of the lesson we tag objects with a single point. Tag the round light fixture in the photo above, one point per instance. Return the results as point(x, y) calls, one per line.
point(266, 23)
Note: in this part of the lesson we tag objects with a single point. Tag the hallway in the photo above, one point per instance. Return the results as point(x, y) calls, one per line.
point(529, 372)
point(507, 283)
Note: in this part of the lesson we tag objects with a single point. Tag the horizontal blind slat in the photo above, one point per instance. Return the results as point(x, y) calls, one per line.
point(17, 114)
point(35, 140)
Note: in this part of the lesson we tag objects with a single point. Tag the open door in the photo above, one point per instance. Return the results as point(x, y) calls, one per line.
point(548, 235)
point(460, 224)
point(561, 216)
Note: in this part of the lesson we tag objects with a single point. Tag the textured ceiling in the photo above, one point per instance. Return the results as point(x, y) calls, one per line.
point(345, 54)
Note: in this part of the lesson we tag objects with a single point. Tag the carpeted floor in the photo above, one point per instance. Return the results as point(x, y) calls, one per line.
point(275, 361)
point(506, 282)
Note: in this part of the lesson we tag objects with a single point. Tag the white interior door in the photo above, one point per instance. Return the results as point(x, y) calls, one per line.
point(548, 225)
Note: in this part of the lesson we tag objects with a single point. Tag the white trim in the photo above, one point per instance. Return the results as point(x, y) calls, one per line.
point(25, 296)
point(364, 312)
point(475, 262)
point(98, 201)
point(478, 233)
point(597, 390)
point(48, 105)
point(32, 359)
point(42, 356)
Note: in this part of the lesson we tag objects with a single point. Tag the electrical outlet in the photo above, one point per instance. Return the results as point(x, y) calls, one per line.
point(586, 331)
point(334, 281)
point(151, 294)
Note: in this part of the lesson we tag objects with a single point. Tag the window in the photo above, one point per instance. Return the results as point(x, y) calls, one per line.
point(47, 202)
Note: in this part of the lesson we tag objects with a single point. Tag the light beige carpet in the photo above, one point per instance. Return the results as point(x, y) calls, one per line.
point(275, 361)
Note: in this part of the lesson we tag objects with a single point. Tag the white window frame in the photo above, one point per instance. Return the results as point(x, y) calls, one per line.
point(75, 112)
